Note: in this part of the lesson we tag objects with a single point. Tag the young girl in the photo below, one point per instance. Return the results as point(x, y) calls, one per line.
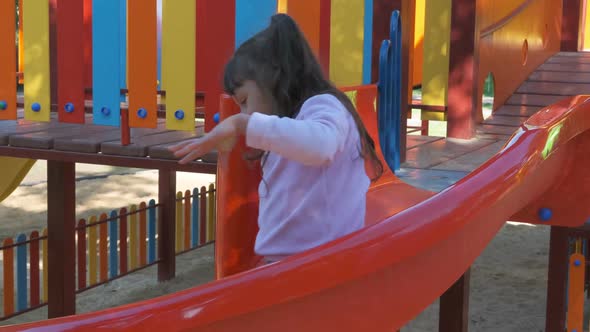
point(313, 145)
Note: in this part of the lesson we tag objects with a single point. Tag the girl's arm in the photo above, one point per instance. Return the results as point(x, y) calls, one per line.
point(314, 138)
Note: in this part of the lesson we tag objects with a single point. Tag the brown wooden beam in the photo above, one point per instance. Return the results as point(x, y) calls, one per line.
point(570, 25)
point(408, 17)
point(557, 280)
point(454, 306)
point(463, 70)
point(166, 224)
point(61, 223)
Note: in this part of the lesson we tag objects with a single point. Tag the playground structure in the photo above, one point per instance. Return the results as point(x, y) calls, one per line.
point(379, 277)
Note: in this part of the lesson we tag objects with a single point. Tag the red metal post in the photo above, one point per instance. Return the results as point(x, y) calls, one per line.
point(61, 224)
point(125, 131)
point(166, 224)
point(463, 71)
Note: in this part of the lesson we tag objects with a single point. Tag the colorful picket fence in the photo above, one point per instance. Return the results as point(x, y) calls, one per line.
point(100, 244)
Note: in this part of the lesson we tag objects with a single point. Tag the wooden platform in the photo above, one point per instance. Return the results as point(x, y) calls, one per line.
point(98, 144)
point(563, 75)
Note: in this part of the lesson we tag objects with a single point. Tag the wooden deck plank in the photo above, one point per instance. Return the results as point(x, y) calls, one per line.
point(554, 76)
point(565, 67)
point(44, 139)
point(504, 120)
point(516, 110)
point(434, 153)
point(533, 100)
point(141, 146)
point(564, 89)
point(490, 129)
point(471, 160)
point(568, 59)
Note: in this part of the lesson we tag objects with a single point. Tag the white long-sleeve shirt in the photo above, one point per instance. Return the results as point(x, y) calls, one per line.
point(314, 181)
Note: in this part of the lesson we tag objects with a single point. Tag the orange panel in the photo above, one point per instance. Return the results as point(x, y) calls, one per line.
point(142, 32)
point(307, 15)
point(7, 61)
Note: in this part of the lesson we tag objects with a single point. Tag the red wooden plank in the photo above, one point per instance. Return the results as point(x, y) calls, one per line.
point(142, 234)
point(70, 61)
point(87, 43)
point(81, 254)
point(325, 17)
point(34, 280)
point(123, 241)
point(214, 47)
point(142, 32)
point(8, 270)
point(103, 253)
point(203, 219)
point(7, 62)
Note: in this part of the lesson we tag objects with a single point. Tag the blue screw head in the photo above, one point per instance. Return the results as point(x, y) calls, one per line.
point(179, 114)
point(36, 107)
point(69, 107)
point(142, 113)
point(216, 118)
point(577, 262)
point(3, 105)
point(545, 214)
point(105, 111)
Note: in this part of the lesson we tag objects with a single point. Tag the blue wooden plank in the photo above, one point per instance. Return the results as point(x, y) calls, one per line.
point(113, 253)
point(252, 17)
point(195, 218)
point(106, 61)
point(368, 42)
point(21, 273)
point(151, 231)
point(396, 76)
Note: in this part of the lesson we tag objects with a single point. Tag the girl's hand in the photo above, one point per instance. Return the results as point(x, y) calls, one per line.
point(223, 138)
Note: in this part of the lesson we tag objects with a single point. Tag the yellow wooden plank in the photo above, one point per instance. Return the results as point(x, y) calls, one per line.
point(436, 52)
point(36, 55)
point(282, 6)
point(347, 42)
point(178, 62)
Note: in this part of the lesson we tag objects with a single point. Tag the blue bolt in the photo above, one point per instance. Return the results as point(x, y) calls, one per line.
point(105, 111)
point(69, 107)
point(36, 107)
point(179, 114)
point(577, 262)
point(216, 118)
point(3, 105)
point(545, 214)
point(142, 113)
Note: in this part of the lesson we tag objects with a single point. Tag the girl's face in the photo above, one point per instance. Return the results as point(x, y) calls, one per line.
point(252, 99)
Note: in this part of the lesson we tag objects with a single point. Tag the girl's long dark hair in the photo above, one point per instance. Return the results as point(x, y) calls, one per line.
point(282, 64)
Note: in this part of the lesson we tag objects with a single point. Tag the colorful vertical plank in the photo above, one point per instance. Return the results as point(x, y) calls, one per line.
point(368, 42)
point(103, 248)
point(187, 219)
point(7, 62)
point(252, 17)
point(178, 62)
point(70, 61)
point(159, 43)
point(45, 267)
point(34, 281)
point(123, 240)
point(133, 237)
point(346, 42)
point(307, 15)
point(106, 66)
point(113, 252)
point(36, 48)
point(203, 216)
point(152, 231)
point(325, 38)
point(81, 231)
point(195, 219)
point(123, 55)
point(8, 272)
point(142, 234)
point(143, 63)
point(92, 253)
point(21, 41)
point(211, 213)
point(178, 235)
point(87, 44)
point(575, 296)
point(437, 36)
point(21, 273)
